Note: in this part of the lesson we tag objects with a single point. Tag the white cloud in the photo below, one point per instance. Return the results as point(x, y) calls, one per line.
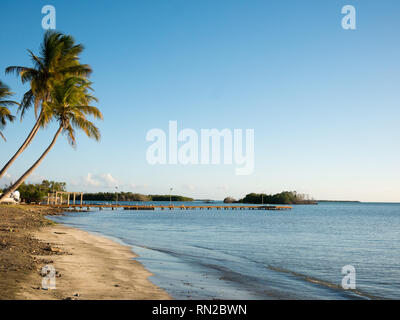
point(90, 181)
point(96, 180)
point(109, 179)
point(99, 180)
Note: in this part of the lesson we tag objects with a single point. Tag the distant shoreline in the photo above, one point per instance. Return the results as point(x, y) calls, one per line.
point(351, 201)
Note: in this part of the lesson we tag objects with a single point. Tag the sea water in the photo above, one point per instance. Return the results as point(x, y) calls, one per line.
point(257, 254)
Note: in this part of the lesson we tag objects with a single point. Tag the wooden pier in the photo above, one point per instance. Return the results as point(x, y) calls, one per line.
point(166, 207)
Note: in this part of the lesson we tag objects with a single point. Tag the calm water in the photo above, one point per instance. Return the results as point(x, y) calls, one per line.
point(297, 254)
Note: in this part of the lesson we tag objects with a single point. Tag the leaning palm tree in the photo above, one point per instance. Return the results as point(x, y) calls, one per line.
point(59, 57)
point(69, 105)
point(5, 114)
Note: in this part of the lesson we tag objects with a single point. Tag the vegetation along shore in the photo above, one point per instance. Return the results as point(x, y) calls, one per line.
point(36, 193)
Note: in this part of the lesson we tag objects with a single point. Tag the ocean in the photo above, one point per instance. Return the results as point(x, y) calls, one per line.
point(254, 254)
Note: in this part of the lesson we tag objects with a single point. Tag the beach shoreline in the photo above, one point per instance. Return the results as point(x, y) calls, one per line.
point(87, 266)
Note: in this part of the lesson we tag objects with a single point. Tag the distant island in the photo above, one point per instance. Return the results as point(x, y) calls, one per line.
point(285, 197)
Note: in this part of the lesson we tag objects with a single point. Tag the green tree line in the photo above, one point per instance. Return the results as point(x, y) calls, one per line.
point(129, 196)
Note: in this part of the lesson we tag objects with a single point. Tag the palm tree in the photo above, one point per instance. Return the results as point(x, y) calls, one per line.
point(5, 114)
point(69, 105)
point(59, 57)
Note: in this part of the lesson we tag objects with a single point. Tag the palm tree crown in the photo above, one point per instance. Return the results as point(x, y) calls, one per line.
point(5, 114)
point(59, 57)
point(69, 104)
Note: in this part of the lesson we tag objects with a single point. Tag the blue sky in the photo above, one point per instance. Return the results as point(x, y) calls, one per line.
point(323, 101)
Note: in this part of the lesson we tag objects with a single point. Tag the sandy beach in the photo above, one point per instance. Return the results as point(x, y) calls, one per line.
point(87, 266)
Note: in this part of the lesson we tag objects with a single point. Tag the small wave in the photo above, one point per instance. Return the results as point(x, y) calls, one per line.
point(224, 273)
point(202, 247)
point(323, 282)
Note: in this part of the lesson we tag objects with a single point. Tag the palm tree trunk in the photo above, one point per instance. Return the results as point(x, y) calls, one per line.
point(31, 169)
point(27, 141)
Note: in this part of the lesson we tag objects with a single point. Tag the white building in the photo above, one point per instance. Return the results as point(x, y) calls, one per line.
point(13, 198)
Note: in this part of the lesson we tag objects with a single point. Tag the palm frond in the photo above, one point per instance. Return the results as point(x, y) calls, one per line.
point(70, 135)
point(37, 61)
point(15, 69)
point(79, 70)
point(7, 103)
point(27, 101)
point(5, 116)
point(87, 127)
point(90, 110)
point(5, 113)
